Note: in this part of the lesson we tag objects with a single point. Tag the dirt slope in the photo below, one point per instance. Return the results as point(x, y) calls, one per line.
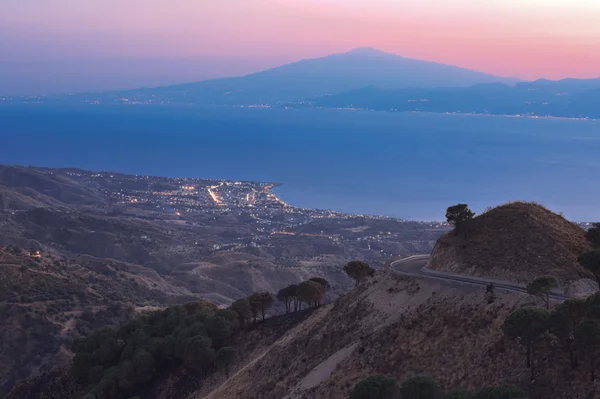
point(399, 327)
point(515, 242)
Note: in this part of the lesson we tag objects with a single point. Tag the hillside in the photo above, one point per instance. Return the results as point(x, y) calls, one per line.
point(515, 242)
point(114, 246)
point(391, 325)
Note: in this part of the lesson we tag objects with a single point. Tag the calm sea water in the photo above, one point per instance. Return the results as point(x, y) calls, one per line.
point(404, 165)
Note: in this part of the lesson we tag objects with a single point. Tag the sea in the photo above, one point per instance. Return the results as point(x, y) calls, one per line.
point(404, 165)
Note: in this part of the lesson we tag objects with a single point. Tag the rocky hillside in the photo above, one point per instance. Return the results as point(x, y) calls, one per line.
point(515, 242)
point(401, 327)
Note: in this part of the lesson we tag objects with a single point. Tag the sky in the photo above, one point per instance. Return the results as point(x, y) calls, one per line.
point(112, 39)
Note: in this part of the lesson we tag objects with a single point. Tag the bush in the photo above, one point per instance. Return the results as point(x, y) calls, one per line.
point(376, 387)
point(420, 387)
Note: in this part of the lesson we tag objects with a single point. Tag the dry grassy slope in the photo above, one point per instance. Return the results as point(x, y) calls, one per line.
point(45, 304)
point(516, 242)
point(399, 327)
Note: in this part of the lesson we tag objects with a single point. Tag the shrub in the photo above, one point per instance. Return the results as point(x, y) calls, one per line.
point(420, 387)
point(376, 387)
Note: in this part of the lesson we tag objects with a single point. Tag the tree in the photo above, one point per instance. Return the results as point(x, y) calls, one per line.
point(197, 353)
point(310, 292)
point(542, 287)
point(321, 281)
point(490, 293)
point(587, 339)
point(420, 387)
point(593, 235)
point(527, 325)
point(458, 215)
point(500, 392)
point(358, 270)
point(591, 261)
point(225, 358)
point(218, 329)
point(459, 395)
point(261, 302)
point(287, 295)
point(563, 320)
point(244, 310)
point(376, 387)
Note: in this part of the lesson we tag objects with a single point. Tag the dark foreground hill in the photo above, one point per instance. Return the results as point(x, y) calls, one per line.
point(390, 325)
point(516, 242)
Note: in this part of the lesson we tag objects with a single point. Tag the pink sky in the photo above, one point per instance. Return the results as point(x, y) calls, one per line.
point(524, 38)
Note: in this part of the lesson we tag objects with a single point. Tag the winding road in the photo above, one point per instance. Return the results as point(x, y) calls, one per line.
point(416, 266)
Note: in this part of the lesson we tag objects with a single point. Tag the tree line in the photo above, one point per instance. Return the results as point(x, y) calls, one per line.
point(117, 363)
point(425, 387)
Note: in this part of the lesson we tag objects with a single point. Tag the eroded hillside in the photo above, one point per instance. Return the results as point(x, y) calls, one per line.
point(402, 327)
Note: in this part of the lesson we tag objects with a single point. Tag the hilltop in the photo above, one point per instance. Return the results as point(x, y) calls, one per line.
point(515, 242)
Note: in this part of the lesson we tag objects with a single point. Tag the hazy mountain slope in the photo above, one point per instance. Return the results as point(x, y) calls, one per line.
point(563, 86)
point(516, 242)
point(309, 78)
point(544, 99)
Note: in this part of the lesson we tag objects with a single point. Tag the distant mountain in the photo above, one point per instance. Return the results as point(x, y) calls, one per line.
point(565, 98)
point(308, 78)
point(564, 86)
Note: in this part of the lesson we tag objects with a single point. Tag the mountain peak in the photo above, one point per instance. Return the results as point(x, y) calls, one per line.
point(366, 51)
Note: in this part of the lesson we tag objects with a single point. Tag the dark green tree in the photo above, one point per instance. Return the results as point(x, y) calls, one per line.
point(593, 235)
point(587, 340)
point(287, 295)
point(358, 270)
point(218, 329)
point(527, 325)
point(376, 387)
point(458, 215)
point(225, 358)
point(321, 281)
point(591, 261)
point(83, 362)
point(310, 293)
point(421, 387)
point(501, 392)
point(563, 320)
point(261, 302)
point(542, 287)
point(231, 316)
point(198, 353)
point(244, 310)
